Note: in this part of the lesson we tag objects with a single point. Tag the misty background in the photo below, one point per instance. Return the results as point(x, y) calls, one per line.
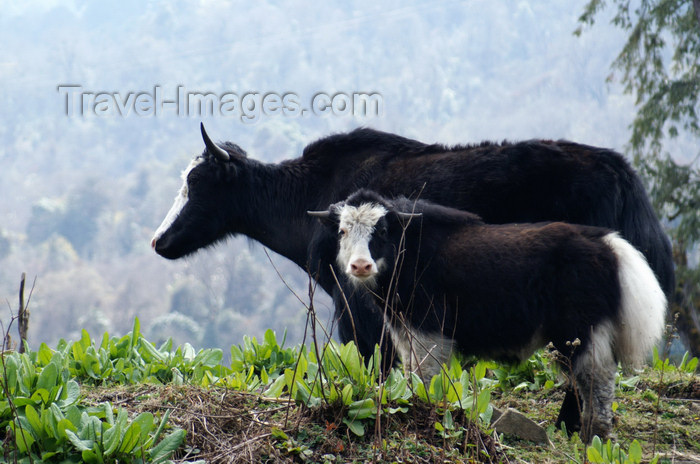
point(80, 195)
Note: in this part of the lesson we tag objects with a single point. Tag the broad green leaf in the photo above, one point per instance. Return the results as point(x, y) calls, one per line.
point(346, 394)
point(357, 427)
point(270, 338)
point(23, 437)
point(362, 409)
point(419, 389)
point(131, 438)
point(188, 352)
point(275, 390)
point(81, 445)
point(78, 352)
point(145, 423)
point(437, 388)
point(594, 455)
point(72, 414)
point(91, 457)
point(105, 341)
point(111, 439)
point(70, 394)
point(479, 370)
point(521, 386)
point(237, 358)
point(149, 350)
point(209, 357)
point(448, 421)
point(454, 392)
point(55, 416)
point(85, 340)
point(135, 333)
point(635, 452)
point(41, 396)
point(278, 433)
point(45, 354)
point(47, 455)
point(34, 420)
point(62, 426)
point(48, 376)
point(20, 401)
point(161, 426)
point(351, 359)
point(11, 366)
point(167, 446)
point(91, 364)
point(483, 400)
point(302, 392)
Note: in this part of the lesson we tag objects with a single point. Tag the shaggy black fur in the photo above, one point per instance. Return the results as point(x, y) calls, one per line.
point(537, 180)
point(498, 291)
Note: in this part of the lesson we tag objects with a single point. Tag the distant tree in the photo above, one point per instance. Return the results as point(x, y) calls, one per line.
point(191, 298)
point(44, 221)
point(660, 65)
point(180, 328)
point(80, 220)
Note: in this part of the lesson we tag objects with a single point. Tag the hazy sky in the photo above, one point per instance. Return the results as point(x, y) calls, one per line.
point(439, 71)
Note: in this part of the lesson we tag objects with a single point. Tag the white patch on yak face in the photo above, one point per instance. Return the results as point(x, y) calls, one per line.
point(356, 228)
point(178, 204)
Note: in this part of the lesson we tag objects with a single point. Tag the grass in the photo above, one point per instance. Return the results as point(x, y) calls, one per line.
point(246, 427)
point(667, 425)
point(125, 400)
point(232, 426)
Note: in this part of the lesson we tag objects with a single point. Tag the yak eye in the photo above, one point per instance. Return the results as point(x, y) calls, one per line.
point(381, 232)
point(342, 232)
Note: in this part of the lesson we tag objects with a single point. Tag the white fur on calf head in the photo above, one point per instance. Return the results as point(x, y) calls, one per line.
point(356, 226)
point(179, 203)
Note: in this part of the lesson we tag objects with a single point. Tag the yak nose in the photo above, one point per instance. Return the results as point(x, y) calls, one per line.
point(361, 268)
point(153, 243)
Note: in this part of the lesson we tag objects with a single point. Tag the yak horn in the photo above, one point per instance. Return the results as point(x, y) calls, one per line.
point(319, 214)
point(408, 215)
point(213, 148)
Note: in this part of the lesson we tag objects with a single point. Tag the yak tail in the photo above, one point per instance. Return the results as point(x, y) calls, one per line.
point(640, 226)
point(642, 314)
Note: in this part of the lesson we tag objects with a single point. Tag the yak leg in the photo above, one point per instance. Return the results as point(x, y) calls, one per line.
point(420, 352)
point(570, 412)
point(595, 376)
point(360, 320)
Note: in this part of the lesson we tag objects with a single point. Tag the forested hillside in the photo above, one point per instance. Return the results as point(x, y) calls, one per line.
point(82, 193)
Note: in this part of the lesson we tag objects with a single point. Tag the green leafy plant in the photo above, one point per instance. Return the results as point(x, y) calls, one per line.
point(42, 416)
point(688, 364)
point(537, 372)
point(44, 420)
point(609, 453)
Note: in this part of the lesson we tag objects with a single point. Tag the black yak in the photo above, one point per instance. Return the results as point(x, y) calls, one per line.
point(448, 281)
point(226, 193)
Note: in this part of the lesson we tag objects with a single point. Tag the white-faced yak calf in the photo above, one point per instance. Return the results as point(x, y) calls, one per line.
point(448, 281)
